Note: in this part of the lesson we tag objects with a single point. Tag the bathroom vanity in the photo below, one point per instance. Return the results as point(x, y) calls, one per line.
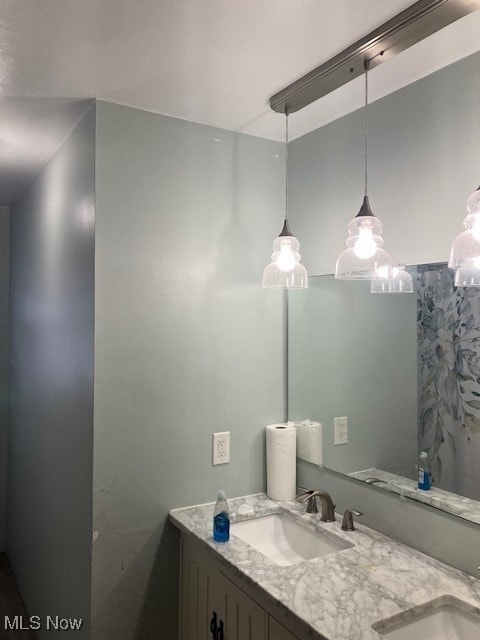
point(285, 574)
point(215, 605)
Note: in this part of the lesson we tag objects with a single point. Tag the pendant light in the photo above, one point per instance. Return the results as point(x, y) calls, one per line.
point(467, 277)
point(398, 281)
point(285, 270)
point(465, 249)
point(364, 253)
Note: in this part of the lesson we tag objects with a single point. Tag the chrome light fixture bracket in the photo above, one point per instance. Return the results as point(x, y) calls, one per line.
point(285, 230)
point(415, 23)
point(365, 208)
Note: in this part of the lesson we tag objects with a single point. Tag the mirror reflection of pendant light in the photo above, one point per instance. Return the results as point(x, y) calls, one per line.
point(467, 277)
point(398, 281)
point(285, 270)
point(465, 249)
point(364, 253)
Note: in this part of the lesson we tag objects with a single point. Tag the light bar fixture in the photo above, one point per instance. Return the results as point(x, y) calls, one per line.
point(405, 29)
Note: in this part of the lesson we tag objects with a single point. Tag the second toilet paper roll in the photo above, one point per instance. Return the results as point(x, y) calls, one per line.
point(281, 461)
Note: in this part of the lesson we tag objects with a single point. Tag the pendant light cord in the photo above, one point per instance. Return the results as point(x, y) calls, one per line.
point(366, 65)
point(287, 113)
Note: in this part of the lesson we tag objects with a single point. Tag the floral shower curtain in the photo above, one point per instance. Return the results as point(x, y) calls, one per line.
point(448, 323)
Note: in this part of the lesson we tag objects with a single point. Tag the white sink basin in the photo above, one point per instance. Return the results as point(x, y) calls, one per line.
point(286, 541)
point(452, 620)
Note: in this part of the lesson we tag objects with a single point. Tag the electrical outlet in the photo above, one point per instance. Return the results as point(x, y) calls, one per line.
point(221, 448)
point(341, 430)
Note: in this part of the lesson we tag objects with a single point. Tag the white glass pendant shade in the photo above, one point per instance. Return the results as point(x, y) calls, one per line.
point(382, 281)
point(285, 270)
point(402, 280)
point(364, 255)
point(395, 280)
point(465, 249)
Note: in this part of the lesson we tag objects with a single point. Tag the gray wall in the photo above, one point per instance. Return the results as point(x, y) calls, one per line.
point(424, 162)
point(342, 343)
point(187, 343)
point(51, 417)
point(4, 347)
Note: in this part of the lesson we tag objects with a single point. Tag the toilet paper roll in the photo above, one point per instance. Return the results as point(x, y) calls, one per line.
point(309, 441)
point(281, 461)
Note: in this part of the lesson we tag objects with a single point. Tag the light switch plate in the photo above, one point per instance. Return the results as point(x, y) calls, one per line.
point(341, 430)
point(221, 448)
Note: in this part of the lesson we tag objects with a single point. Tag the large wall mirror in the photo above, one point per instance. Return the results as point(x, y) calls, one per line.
point(405, 370)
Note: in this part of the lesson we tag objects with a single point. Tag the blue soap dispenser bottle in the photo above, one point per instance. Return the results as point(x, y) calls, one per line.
point(221, 519)
point(424, 477)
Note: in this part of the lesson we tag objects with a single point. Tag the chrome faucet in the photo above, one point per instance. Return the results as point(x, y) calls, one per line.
point(347, 522)
point(310, 496)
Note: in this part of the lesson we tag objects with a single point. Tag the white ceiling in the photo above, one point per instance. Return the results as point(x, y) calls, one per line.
point(211, 61)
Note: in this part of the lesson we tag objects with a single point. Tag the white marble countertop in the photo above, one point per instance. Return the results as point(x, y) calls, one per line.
point(341, 595)
point(445, 500)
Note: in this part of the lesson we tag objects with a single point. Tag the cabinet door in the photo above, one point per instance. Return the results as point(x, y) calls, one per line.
point(277, 631)
point(206, 592)
point(196, 587)
point(242, 617)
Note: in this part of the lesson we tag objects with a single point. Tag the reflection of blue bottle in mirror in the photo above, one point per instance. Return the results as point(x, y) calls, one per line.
point(221, 519)
point(424, 478)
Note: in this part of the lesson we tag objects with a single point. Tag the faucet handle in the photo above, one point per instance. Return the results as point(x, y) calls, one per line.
point(303, 490)
point(303, 493)
point(347, 522)
point(308, 495)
